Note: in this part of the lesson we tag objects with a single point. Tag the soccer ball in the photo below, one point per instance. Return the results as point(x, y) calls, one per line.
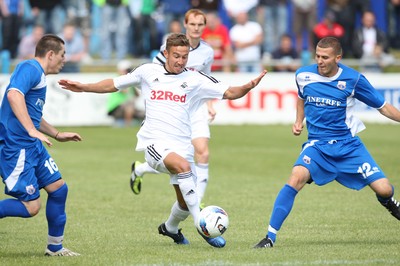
point(213, 221)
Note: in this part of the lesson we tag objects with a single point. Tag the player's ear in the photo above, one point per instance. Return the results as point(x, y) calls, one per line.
point(165, 52)
point(50, 54)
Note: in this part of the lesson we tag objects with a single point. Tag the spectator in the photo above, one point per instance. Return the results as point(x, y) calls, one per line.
point(78, 11)
point(75, 50)
point(347, 13)
point(50, 14)
point(115, 23)
point(217, 36)
point(394, 23)
point(124, 105)
point(11, 13)
point(26, 48)
point(207, 5)
point(174, 10)
point(344, 16)
point(145, 29)
point(285, 56)
point(304, 20)
point(247, 37)
point(234, 7)
point(274, 17)
point(371, 45)
point(174, 27)
point(328, 27)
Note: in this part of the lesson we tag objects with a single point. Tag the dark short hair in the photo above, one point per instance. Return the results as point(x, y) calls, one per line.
point(331, 42)
point(177, 39)
point(49, 42)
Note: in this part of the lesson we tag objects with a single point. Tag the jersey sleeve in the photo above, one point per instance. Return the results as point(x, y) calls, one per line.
point(299, 87)
point(367, 94)
point(24, 78)
point(128, 80)
point(211, 88)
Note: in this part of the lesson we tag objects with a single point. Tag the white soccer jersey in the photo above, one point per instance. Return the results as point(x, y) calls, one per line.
point(170, 100)
point(200, 58)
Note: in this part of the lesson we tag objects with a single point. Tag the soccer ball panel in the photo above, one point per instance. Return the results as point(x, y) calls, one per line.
point(213, 221)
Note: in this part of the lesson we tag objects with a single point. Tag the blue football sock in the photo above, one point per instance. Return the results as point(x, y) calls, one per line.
point(13, 208)
point(282, 207)
point(56, 217)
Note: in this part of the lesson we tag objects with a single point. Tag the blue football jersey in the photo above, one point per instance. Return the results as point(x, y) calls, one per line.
point(28, 78)
point(329, 101)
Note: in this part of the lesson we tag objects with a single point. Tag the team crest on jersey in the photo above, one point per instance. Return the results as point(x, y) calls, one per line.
point(30, 189)
point(341, 85)
point(306, 159)
point(184, 85)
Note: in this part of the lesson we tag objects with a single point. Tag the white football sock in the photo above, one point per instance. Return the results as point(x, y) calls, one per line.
point(145, 168)
point(202, 179)
point(187, 186)
point(177, 215)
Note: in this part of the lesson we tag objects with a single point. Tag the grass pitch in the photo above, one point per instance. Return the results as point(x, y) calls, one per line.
point(109, 225)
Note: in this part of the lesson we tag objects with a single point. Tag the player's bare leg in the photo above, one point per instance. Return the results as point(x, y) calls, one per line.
point(384, 192)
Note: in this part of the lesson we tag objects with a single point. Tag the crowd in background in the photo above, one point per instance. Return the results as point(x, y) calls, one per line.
point(242, 33)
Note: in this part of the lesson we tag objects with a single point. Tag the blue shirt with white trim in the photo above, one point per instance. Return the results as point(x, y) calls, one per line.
point(329, 101)
point(29, 79)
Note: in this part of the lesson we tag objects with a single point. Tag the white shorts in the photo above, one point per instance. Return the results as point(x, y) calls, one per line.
point(199, 123)
point(156, 153)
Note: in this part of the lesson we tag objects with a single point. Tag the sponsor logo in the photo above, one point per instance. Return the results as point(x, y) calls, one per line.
point(40, 103)
point(322, 101)
point(167, 96)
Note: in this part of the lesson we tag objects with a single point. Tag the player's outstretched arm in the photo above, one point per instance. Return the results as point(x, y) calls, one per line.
point(104, 86)
point(235, 92)
point(51, 131)
point(390, 112)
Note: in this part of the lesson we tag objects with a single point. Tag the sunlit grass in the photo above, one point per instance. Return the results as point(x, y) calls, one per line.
point(109, 225)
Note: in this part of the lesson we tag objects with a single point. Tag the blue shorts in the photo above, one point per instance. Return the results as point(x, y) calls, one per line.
point(346, 161)
point(26, 171)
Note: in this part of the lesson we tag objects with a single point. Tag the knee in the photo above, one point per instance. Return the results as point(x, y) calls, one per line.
point(202, 155)
point(383, 188)
point(201, 150)
point(386, 191)
point(33, 207)
point(299, 177)
point(182, 166)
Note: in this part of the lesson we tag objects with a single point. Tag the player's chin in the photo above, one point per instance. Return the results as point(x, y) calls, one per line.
point(178, 70)
point(58, 70)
